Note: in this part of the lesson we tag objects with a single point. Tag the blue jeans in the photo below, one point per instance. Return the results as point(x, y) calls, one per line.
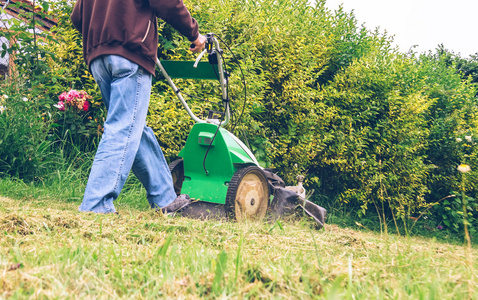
point(127, 143)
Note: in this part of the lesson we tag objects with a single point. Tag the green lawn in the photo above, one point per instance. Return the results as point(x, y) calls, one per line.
point(49, 250)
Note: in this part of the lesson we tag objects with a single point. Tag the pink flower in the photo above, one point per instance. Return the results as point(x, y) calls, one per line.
point(86, 105)
point(60, 105)
point(62, 97)
point(72, 94)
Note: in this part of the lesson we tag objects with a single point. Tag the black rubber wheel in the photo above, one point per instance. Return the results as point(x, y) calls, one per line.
point(176, 168)
point(248, 194)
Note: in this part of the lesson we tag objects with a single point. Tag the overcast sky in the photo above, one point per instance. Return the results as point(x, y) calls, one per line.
point(426, 23)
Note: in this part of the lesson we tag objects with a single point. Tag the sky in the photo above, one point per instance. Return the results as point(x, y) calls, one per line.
point(425, 23)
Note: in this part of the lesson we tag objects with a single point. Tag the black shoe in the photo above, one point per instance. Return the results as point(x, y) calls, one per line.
point(180, 202)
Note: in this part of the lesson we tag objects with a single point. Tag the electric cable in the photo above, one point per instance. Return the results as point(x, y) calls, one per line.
point(212, 140)
point(243, 81)
point(226, 101)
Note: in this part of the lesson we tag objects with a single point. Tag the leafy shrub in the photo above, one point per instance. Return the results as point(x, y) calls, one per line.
point(24, 146)
point(452, 119)
point(375, 148)
point(450, 213)
point(45, 65)
point(58, 66)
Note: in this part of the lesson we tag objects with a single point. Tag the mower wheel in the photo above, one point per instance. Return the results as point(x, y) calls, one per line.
point(247, 194)
point(176, 167)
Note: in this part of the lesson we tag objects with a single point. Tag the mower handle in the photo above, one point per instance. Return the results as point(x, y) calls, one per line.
point(213, 49)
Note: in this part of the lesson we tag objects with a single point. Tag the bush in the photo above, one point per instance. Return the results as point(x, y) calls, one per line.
point(43, 69)
point(451, 118)
point(450, 213)
point(375, 147)
point(25, 150)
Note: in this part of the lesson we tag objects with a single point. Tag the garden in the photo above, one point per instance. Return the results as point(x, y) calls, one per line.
point(386, 142)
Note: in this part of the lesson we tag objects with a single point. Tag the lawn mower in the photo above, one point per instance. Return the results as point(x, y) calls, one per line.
point(215, 167)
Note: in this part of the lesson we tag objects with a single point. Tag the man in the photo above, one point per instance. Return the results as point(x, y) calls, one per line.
point(120, 40)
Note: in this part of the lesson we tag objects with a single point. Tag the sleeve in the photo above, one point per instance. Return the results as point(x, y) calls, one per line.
point(76, 15)
point(177, 15)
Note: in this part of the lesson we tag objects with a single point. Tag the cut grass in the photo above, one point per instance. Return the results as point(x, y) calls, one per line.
point(49, 250)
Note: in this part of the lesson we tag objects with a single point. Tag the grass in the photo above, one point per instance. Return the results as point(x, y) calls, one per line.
point(49, 250)
point(425, 227)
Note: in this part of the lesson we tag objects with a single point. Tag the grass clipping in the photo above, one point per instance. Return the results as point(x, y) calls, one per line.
point(51, 250)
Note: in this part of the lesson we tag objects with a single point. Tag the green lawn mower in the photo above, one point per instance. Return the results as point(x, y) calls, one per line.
point(215, 168)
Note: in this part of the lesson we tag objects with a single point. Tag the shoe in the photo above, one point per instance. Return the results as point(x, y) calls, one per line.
point(181, 201)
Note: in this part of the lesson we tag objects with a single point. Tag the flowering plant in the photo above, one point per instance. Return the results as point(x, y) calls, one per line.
point(78, 118)
point(77, 100)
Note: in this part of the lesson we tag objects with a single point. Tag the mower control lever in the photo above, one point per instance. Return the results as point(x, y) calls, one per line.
point(199, 58)
point(208, 49)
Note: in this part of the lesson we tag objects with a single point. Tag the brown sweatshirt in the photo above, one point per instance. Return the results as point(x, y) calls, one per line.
point(129, 27)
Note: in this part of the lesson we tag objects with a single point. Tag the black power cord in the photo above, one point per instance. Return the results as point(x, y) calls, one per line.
point(226, 101)
point(212, 140)
point(243, 82)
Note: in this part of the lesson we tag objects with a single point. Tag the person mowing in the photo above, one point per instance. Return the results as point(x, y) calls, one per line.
point(120, 40)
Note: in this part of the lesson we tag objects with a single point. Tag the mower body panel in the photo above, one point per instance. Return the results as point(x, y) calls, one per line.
point(210, 160)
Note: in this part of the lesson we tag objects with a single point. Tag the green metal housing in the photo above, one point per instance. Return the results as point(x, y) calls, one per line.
point(226, 154)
